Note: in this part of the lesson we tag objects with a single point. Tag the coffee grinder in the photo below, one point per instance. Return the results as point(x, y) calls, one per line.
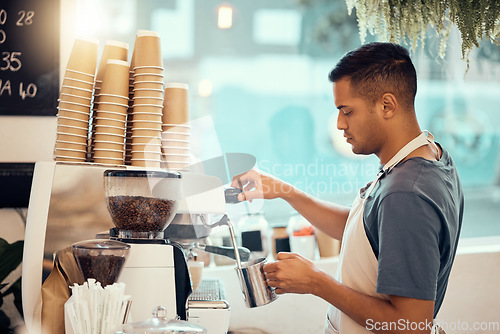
point(141, 204)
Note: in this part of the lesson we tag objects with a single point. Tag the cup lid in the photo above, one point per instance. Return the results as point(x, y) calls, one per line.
point(176, 85)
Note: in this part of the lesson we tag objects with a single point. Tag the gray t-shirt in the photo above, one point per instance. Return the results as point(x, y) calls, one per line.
point(412, 220)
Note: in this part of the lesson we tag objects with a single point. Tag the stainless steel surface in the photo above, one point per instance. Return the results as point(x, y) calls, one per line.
point(210, 294)
point(254, 285)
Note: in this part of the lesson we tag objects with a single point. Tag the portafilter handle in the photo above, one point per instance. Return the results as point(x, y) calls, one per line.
point(231, 195)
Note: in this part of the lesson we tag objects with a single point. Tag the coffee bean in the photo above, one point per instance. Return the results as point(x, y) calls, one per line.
point(140, 214)
point(103, 268)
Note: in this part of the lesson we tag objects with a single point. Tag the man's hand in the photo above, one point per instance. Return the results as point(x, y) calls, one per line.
point(257, 184)
point(292, 273)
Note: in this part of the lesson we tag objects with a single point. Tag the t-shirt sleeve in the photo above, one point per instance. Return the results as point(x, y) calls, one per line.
point(409, 257)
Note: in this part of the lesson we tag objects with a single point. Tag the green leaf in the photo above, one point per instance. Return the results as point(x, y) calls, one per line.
point(11, 256)
point(15, 289)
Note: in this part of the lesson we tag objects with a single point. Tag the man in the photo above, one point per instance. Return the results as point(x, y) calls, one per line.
point(400, 236)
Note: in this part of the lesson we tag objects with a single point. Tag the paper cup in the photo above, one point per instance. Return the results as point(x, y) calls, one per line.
point(146, 155)
point(146, 117)
point(176, 143)
point(148, 85)
point(147, 49)
point(70, 145)
point(149, 147)
point(107, 153)
point(147, 100)
point(77, 83)
point(115, 80)
point(152, 140)
point(175, 165)
point(106, 129)
point(110, 121)
point(68, 153)
point(108, 161)
point(74, 106)
point(72, 138)
point(153, 125)
point(154, 77)
point(68, 159)
point(63, 120)
point(176, 104)
point(81, 92)
point(178, 129)
point(69, 73)
point(112, 115)
point(109, 137)
point(109, 145)
point(72, 129)
point(148, 109)
point(113, 108)
point(167, 135)
point(83, 57)
point(145, 163)
point(148, 69)
point(148, 92)
point(175, 150)
point(75, 98)
point(112, 50)
point(146, 132)
point(177, 157)
point(123, 99)
point(83, 115)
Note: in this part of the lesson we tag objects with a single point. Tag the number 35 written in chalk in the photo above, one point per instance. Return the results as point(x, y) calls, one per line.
point(11, 61)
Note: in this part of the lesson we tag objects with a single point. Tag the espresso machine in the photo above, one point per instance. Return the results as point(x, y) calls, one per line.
point(140, 203)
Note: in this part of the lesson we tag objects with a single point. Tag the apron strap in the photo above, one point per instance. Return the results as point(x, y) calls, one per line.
point(422, 139)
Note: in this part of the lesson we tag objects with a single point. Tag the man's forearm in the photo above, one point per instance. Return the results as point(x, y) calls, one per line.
point(406, 314)
point(328, 217)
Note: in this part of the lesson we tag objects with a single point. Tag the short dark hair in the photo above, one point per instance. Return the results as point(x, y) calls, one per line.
point(377, 68)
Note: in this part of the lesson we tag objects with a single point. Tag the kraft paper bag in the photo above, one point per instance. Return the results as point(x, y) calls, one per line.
point(55, 291)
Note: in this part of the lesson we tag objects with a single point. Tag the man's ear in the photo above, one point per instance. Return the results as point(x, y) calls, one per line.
point(389, 105)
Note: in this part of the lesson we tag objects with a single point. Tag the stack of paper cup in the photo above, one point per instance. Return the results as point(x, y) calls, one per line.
point(147, 101)
point(75, 102)
point(111, 119)
point(112, 50)
point(176, 137)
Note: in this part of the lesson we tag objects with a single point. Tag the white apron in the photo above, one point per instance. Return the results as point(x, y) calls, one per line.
point(358, 265)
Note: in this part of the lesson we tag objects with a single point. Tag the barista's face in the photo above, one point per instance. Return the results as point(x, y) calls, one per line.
point(358, 119)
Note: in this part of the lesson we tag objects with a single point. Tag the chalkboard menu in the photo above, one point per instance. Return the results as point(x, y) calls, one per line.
point(29, 57)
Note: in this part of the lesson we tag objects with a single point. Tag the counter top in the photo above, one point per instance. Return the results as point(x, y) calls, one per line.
point(290, 313)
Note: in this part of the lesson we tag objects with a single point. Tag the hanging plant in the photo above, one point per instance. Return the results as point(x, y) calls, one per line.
point(402, 20)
